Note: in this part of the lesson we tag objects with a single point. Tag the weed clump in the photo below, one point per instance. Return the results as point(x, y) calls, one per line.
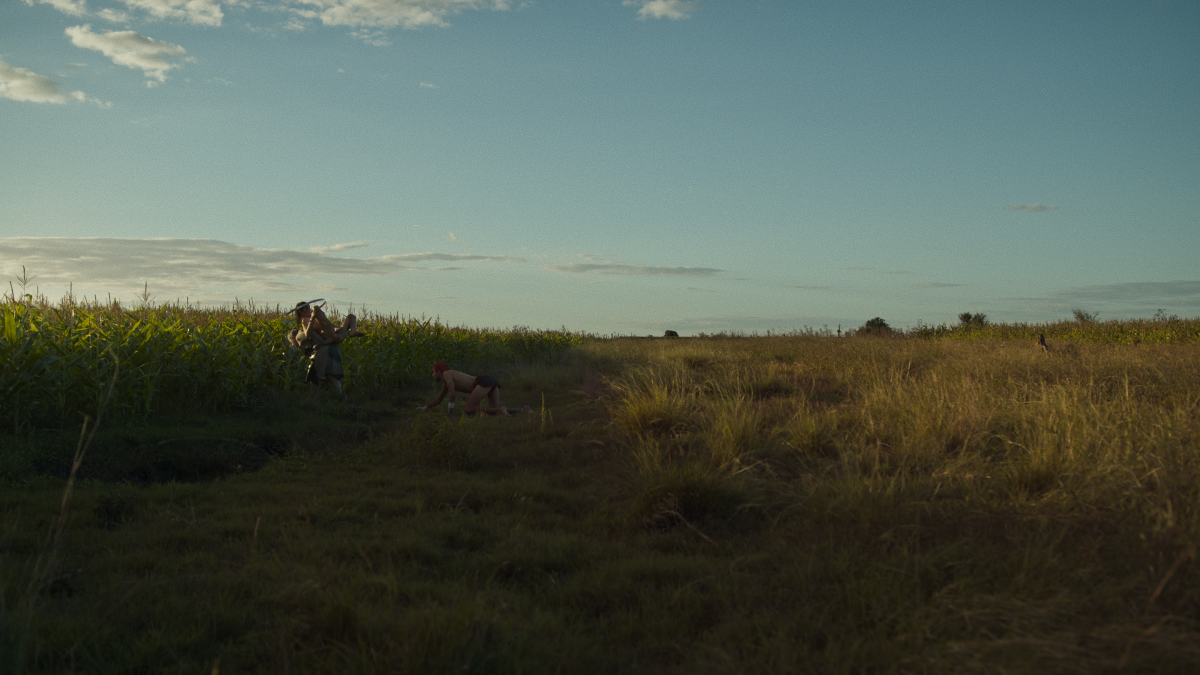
point(439, 442)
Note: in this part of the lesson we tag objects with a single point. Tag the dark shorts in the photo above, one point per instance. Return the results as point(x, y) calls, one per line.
point(487, 381)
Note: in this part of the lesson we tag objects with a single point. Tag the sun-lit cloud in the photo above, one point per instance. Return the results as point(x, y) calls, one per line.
point(809, 288)
point(662, 9)
point(188, 266)
point(393, 13)
point(456, 239)
point(19, 84)
point(132, 50)
point(693, 289)
point(1035, 208)
point(426, 85)
point(198, 12)
point(70, 7)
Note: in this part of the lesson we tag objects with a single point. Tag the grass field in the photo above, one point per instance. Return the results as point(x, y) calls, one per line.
point(720, 504)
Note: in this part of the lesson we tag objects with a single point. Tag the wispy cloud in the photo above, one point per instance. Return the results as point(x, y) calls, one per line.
point(372, 36)
point(185, 266)
point(662, 9)
point(198, 12)
point(393, 13)
point(927, 285)
point(132, 50)
point(322, 250)
point(622, 269)
point(1035, 208)
point(809, 288)
point(1130, 299)
point(456, 239)
point(423, 257)
point(426, 85)
point(70, 7)
point(1144, 292)
point(873, 269)
point(20, 84)
point(693, 289)
point(113, 16)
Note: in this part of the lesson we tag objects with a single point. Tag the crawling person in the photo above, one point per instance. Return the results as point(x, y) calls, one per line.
point(454, 382)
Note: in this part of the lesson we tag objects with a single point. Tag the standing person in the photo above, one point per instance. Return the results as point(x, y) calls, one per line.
point(316, 335)
point(454, 382)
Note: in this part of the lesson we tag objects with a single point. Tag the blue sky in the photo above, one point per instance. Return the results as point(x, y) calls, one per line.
point(612, 166)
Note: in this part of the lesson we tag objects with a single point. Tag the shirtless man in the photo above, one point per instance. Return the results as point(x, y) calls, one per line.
point(311, 321)
point(317, 337)
point(454, 382)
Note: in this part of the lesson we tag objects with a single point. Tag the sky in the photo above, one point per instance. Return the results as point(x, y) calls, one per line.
point(609, 166)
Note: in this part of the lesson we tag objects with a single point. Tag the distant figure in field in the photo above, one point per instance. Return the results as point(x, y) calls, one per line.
point(454, 382)
point(318, 338)
point(670, 333)
point(1041, 344)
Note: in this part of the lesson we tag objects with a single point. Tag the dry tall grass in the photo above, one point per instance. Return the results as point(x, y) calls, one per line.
point(1008, 480)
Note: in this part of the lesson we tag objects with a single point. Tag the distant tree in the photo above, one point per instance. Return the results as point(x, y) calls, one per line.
point(876, 326)
point(1085, 317)
point(968, 319)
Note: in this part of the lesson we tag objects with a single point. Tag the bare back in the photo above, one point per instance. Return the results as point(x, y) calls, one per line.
point(458, 381)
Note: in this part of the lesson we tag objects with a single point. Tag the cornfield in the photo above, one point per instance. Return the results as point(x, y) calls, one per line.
point(56, 360)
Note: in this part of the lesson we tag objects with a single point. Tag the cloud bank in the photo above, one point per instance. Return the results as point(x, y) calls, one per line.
point(185, 266)
point(128, 48)
point(20, 84)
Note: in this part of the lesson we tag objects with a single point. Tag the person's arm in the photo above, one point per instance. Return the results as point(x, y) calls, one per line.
point(447, 385)
point(291, 336)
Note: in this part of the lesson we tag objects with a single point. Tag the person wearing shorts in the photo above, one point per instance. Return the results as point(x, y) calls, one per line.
point(455, 382)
